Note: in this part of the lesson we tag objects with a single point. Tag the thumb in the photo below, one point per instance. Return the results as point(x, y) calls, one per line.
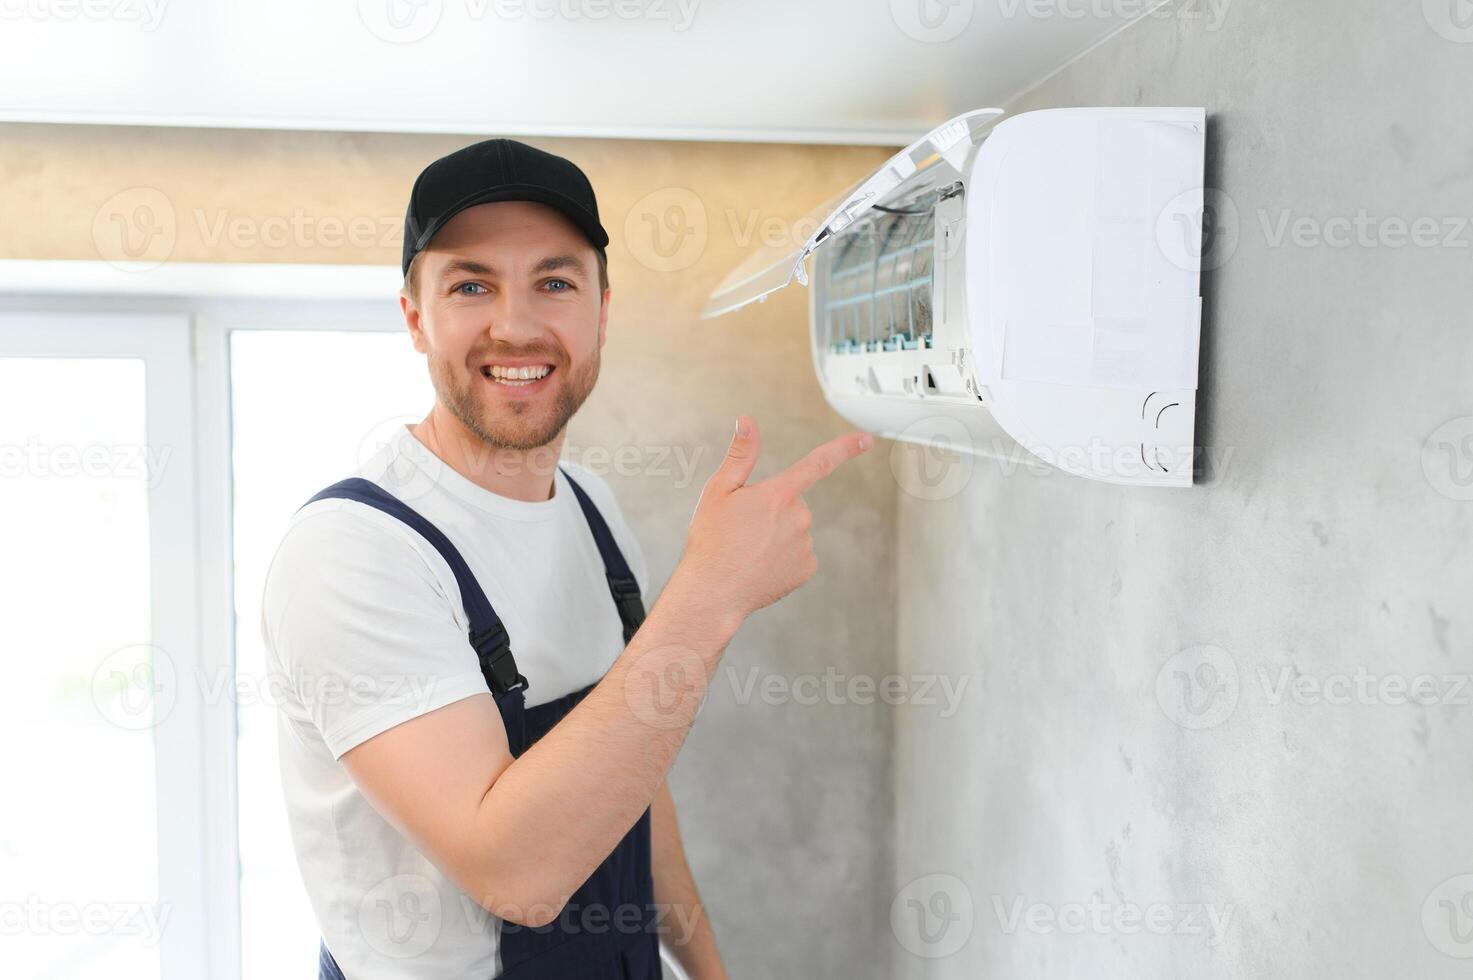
point(740, 459)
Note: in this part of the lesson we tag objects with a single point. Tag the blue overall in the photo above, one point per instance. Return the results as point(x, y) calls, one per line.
point(607, 930)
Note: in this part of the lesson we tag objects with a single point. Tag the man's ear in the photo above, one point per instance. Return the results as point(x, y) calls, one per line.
point(412, 321)
point(603, 319)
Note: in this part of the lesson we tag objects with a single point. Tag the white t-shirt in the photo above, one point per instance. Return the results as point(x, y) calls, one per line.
point(364, 629)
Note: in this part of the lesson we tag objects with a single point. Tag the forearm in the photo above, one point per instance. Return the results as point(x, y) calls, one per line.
point(552, 816)
point(686, 929)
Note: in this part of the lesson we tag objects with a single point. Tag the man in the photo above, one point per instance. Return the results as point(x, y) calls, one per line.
point(482, 720)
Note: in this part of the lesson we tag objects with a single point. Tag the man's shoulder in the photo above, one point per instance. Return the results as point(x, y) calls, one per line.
point(333, 535)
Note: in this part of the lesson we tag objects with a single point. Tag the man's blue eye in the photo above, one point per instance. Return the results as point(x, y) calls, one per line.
point(470, 285)
point(559, 282)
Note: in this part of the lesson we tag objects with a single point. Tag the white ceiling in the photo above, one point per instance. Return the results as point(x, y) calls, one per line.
point(843, 71)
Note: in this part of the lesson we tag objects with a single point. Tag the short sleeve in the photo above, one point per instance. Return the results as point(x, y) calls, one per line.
point(361, 625)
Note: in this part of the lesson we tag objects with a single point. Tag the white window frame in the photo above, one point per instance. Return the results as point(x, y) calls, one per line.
point(178, 319)
point(162, 342)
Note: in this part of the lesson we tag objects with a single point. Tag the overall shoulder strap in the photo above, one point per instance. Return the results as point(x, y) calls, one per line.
point(622, 584)
point(487, 634)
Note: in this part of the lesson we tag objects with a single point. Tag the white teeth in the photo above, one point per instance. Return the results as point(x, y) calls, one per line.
point(517, 376)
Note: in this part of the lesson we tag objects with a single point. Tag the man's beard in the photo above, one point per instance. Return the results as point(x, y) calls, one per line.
point(513, 425)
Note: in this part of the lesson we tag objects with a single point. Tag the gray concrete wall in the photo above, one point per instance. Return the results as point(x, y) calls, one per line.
point(1065, 792)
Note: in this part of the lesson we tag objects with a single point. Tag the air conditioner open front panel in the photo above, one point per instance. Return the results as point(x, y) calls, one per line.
point(769, 268)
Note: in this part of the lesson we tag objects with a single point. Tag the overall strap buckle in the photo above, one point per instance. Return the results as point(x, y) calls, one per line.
point(493, 648)
point(625, 590)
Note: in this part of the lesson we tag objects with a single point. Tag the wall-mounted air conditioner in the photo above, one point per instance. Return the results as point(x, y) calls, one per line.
point(1032, 282)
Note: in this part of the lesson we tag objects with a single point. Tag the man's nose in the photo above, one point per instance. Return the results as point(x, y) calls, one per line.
point(513, 318)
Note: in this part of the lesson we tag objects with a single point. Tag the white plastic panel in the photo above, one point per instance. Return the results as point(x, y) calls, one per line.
point(1085, 328)
point(768, 269)
point(1069, 285)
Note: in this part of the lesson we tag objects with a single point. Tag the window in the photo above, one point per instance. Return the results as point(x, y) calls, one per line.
point(149, 464)
point(100, 711)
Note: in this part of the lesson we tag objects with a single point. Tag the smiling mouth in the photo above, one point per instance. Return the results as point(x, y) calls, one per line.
point(516, 376)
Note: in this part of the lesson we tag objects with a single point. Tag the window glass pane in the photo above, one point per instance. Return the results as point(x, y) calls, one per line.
point(78, 876)
point(307, 407)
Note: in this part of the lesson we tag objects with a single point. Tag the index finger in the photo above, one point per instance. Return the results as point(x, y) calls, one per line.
point(820, 462)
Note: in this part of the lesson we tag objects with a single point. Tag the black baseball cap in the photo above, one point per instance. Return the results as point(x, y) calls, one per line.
point(497, 170)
